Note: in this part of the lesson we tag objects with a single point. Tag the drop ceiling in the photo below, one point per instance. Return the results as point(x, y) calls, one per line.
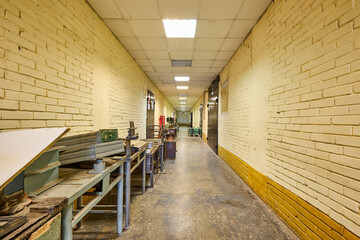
point(222, 25)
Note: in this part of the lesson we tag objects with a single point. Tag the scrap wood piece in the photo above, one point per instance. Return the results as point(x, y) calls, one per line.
point(13, 203)
point(48, 205)
point(18, 149)
point(37, 214)
point(23, 231)
point(50, 230)
point(9, 223)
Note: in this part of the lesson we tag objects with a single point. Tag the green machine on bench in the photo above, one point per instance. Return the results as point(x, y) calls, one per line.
point(90, 146)
point(43, 173)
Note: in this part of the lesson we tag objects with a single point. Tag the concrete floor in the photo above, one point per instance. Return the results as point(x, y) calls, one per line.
point(199, 197)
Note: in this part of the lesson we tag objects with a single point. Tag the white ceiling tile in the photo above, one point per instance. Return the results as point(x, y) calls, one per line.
point(157, 54)
point(148, 69)
point(205, 75)
point(208, 44)
point(106, 8)
point(144, 63)
point(215, 9)
point(139, 9)
point(167, 78)
point(147, 28)
point(199, 69)
point(213, 28)
point(168, 81)
point(204, 55)
point(181, 44)
point(120, 28)
point(153, 43)
point(138, 54)
point(231, 44)
point(201, 63)
point(130, 43)
point(160, 63)
point(181, 55)
point(241, 28)
point(215, 70)
point(224, 55)
point(253, 9)
point(163, 69)
point(153, 75)
point(179, 9)
point(182, 91)
point(155, 79)
point(219, 64)
point(182, 70)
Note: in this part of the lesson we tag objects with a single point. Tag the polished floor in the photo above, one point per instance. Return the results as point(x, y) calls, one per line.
point(199, 197)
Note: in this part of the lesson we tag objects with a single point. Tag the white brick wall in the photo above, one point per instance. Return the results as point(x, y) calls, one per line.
point(310, 64)
point(196, 112)
point(53, 54)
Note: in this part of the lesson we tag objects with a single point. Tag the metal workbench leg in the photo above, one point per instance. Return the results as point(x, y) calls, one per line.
point(157, 164)
point(119, 216)
point(143, 175)
point(127, 194)
point(152, 171)
point(162, 158)
point(66, 226)
point(78, 207)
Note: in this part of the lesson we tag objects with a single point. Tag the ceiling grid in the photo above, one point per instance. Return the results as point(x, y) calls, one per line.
point(221, 28)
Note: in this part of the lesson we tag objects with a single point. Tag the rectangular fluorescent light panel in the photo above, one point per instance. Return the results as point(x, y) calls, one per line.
point(182, 78)
point(182, 87)
point(182, 98)
point(182, 102)
point(175, 28)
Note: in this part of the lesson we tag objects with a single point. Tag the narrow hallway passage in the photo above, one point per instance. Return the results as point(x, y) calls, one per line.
point(199, 197)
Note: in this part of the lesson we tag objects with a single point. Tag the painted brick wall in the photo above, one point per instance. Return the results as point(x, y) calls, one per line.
point(205, 116)
point(61, 66)
point(196, 112)
point(294, 101)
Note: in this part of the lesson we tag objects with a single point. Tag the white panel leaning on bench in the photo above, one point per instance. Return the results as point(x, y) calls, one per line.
point(18, 149)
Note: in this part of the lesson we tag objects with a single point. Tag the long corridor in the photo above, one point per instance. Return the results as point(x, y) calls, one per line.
point(199, 197)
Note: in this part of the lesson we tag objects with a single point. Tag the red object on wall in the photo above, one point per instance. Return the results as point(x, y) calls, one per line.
point(162, 121)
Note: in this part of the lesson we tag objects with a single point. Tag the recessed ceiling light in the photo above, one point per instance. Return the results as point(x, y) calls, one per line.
point(175, 28)
point(182, 87)
point(182, 78)
point(182, 102)
point(182, 98)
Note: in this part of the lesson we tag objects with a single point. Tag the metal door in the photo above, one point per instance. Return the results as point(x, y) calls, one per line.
point(191, 119)
point(150, 109)
point(213, 97)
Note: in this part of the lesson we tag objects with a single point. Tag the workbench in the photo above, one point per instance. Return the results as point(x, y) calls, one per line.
point(77, 182)
point(136, 157)
point(153, 154)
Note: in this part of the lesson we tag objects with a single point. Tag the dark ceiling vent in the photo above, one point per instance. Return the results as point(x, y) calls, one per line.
point(181, 63)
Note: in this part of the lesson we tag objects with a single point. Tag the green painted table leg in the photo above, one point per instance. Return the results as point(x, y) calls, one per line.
point(66, 226)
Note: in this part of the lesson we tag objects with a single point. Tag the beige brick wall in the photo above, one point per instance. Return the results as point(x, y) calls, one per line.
point(61, 66)
point(196, 112)
point(294, 103)
point(205, 116)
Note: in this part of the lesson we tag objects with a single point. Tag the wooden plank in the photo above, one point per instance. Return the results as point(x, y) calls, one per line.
point(9, 223)
point(18, 149)
point(48, 205)
point(42, 211)
point(50, 230)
